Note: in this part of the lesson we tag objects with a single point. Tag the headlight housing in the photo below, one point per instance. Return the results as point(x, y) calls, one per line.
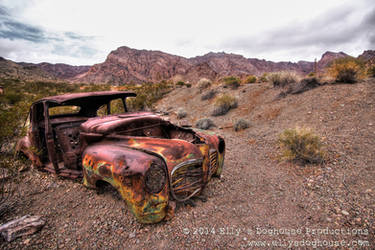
point(221, 145)
point(155, 178)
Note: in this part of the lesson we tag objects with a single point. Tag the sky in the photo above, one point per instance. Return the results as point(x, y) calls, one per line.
point(84, 32)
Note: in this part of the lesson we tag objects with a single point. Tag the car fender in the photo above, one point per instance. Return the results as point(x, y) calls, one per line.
point(125, 169)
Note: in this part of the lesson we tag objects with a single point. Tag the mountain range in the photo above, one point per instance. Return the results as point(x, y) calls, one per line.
point(127, 65)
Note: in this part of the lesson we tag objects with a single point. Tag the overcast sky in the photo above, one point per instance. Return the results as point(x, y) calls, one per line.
point(83, 32)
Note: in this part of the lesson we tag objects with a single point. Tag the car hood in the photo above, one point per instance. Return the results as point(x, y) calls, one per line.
point(114, 123)
point(173, 151)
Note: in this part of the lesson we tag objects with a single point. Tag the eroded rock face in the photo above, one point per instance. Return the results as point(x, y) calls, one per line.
point(131, 65)
point(367, 55)
point(328, 57)
point(126, 65)
point(63, 71)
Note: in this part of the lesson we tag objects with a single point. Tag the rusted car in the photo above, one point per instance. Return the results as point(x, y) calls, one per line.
point(150, 161)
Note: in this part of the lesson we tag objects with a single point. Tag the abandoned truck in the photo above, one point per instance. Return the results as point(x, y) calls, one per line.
point(150, 161)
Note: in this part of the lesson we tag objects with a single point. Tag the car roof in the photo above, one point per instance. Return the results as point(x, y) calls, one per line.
point(80, 98)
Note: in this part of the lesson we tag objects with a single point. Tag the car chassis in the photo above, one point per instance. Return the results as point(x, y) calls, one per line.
point(149, 160)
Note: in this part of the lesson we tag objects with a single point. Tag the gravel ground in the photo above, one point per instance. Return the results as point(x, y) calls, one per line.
point(258, 200)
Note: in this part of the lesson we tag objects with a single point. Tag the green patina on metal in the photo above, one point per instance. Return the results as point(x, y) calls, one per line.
point(147, 208)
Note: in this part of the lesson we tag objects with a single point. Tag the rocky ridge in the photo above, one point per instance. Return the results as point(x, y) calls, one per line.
point(127, 65)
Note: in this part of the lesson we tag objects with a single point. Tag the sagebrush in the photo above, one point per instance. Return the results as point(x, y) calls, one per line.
point(204, 83)
point(223, 104)
point(208, 95)
point(283, 78)
point(346, 70)
point(181, 113)
point(205, 124)
point(231, 82)
point(240, 124)
point(250, 79)
point(301, 144)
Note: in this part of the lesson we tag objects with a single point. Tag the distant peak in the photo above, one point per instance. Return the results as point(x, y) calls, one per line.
point(335, 54)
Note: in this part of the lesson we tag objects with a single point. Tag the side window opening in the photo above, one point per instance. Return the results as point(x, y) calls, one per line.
point(102, 111)
point(63, 110)
point(117, 106)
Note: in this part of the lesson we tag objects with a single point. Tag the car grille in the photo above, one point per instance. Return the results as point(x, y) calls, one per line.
point(213, 162)
point(186, 179)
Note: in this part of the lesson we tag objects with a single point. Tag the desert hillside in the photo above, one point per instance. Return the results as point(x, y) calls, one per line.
point(257, 191)
point(125, 66)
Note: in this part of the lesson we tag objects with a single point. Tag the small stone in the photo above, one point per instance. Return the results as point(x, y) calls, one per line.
point(344, 212)
point(132, 235)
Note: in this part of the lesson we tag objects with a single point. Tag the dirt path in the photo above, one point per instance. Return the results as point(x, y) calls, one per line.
point(257, 201)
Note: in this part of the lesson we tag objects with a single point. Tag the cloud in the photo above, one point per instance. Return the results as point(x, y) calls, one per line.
point(16, 30)
point(335, 29)
point(368, 25)
point(24, 42)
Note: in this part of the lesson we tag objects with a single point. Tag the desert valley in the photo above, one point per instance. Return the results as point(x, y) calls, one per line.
point(270, 194)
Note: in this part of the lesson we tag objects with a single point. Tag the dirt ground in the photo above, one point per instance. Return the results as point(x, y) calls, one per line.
point(259, 202)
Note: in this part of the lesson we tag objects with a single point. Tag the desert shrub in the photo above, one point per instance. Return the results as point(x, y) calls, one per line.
point(147, 94)
point(232, 82)
point(346, 70)
point(250, 79)
point(13, 97)
point(223, 104)
point(208, 95)
point(188, 85)
point(371, 71)
point(180, 84)
point(181, 113)
point(301, 144)
point(263, 78)
point(304, 85)
point(311, 74)
point(205, 124)
point(282, 78)
point(241, 124)
point(204, 83)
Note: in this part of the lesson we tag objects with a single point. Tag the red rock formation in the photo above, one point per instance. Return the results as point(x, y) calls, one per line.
point(126, 65)
point(328, 57)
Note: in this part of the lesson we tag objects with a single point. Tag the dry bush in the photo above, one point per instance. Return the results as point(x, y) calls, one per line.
point(181, 113)
point(264, 77)
point(241, 124)
point(371, 71)
point(204, 83)
point(250, 79)
point(300, 87)
point(231, 82)
point(283, 78)
point(346, 70)
point(147, 94)
point(180, 84)
point(208, 95)
point(205, 124)
point(223, 104)
point(301, 144)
